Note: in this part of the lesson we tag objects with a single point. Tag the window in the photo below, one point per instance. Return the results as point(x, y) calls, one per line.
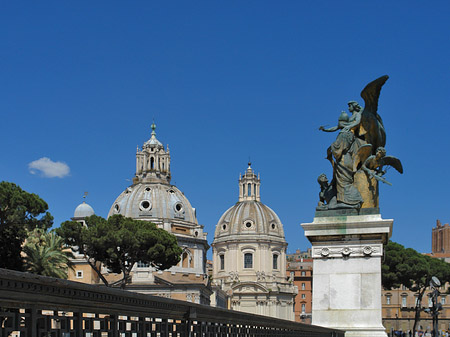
point(443, 300)
point(248, 260)
point(303, 308)
point(249, 190)
point(303, 286)
point(403, 301)
point(222, 262)
point(388, 299)
point(186, 260)
point(303, 296)
point(275, 261)
point(303, 273)
point(79, 274)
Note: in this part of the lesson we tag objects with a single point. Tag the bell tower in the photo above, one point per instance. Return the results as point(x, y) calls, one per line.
point(249, 185)
point(153, 161)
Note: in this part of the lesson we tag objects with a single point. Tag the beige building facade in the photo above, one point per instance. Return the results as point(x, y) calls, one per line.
point(249, 255)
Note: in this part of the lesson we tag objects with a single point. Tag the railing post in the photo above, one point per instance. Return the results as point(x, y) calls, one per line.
point(190, 315)
point(142, 327)
point(165, 327)
point(32, 322)
point(114, 326)
point(78, 323)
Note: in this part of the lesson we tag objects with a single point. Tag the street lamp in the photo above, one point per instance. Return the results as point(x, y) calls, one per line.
point(436, 307)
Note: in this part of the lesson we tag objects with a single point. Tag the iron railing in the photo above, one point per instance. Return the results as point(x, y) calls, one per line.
point(37, 306)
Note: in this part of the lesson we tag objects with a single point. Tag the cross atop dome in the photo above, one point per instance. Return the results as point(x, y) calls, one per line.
point(153, 142)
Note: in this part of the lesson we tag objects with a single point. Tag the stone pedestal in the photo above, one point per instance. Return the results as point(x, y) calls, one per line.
point(347, 251)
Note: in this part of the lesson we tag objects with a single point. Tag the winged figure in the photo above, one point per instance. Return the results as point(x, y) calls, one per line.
point(366, 123)
point(358, 148)
point(373, 165)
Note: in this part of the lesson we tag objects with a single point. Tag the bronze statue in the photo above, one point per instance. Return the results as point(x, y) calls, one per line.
point(373, 165)
point(357, 155)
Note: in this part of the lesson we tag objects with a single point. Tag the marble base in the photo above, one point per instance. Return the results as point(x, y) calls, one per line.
point(347, 253)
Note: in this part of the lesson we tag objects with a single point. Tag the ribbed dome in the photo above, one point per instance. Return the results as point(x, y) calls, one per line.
point(83, 210)
point(251, 218)
point(153, 200)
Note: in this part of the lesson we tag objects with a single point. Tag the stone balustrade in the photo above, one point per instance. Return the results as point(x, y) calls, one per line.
point(32, 305)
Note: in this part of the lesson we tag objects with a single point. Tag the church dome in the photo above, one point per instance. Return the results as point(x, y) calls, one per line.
point(83, 210)
point(249, 217)
point(152, 197)
point(249, 254)
point(153, 200)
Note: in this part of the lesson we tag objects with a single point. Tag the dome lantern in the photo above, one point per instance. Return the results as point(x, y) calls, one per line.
point(153, 162)
point(249, 185)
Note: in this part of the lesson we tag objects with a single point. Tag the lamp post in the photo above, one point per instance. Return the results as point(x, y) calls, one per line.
point(436, 306)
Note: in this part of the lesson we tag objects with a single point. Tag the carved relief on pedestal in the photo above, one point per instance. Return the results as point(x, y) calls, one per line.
point(351, 250)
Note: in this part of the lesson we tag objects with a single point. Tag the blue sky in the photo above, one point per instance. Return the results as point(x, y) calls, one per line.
point(81, 83)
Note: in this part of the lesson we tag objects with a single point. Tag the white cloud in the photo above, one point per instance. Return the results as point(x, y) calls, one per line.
point(49, 168)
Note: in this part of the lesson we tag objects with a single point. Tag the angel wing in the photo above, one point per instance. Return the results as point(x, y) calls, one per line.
point(361, 155)
point(371, 126)
point(392, 161)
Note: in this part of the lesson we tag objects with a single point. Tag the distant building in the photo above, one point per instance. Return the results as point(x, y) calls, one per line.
point(398, 304)
point(249, 255)
point(82, 271)
point(440, 242)
point(398, 310)
point(152, 198)
point(300, 272)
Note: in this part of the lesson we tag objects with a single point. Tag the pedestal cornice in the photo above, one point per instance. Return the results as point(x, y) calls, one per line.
point(332, 228)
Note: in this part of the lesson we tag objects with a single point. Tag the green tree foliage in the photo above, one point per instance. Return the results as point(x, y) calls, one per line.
point(405, 266)
point(45, 254)
point(19, 211)
point(120, 242)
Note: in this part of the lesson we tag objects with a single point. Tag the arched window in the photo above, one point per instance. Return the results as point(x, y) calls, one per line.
point(249, 189)
point(254, 189)
point(248, 260)
point(275, 261)
point(222, 262)
point(152, 163)
point(185, 260)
